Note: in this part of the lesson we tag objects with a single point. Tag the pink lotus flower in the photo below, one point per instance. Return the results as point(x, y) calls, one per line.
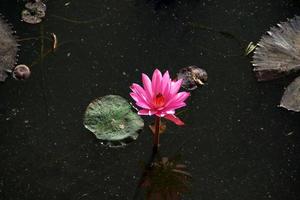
point(160, 96)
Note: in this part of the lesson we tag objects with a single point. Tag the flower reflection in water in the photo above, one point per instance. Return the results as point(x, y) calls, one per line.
point(166, 179)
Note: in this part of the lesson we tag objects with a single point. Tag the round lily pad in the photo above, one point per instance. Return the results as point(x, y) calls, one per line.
point(112, 120)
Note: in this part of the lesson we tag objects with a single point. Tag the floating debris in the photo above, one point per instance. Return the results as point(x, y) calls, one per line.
point(192, 77)
point(54, 41)
point(68, 3)
point(291, 97)
point(278, 53)
point(21, 72)
point(250, 48)
point(8, 49)
point(289, 133)
point(34, 12)
point(112, 120)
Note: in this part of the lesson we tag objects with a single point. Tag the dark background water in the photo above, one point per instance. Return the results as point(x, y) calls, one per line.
point(237, 143)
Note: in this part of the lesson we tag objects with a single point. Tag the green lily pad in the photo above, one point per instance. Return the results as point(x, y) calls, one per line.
point(112, 120)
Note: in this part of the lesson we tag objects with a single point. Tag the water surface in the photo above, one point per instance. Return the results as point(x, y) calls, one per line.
point(237, 143)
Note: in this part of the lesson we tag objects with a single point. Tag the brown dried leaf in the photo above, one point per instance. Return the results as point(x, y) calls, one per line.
point(291, 97)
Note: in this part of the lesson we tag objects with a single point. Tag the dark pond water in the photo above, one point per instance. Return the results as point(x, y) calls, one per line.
point(237, 144)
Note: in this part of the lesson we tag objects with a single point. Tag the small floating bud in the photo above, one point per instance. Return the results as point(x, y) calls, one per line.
point(21, 72)
point(192, 77)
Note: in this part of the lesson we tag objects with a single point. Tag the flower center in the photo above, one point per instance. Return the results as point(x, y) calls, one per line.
point(159, 100)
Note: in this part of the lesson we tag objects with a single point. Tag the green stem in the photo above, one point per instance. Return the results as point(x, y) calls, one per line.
point(156, 133)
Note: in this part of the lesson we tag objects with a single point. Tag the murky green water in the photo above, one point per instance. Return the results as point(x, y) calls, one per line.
point(237, 143)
